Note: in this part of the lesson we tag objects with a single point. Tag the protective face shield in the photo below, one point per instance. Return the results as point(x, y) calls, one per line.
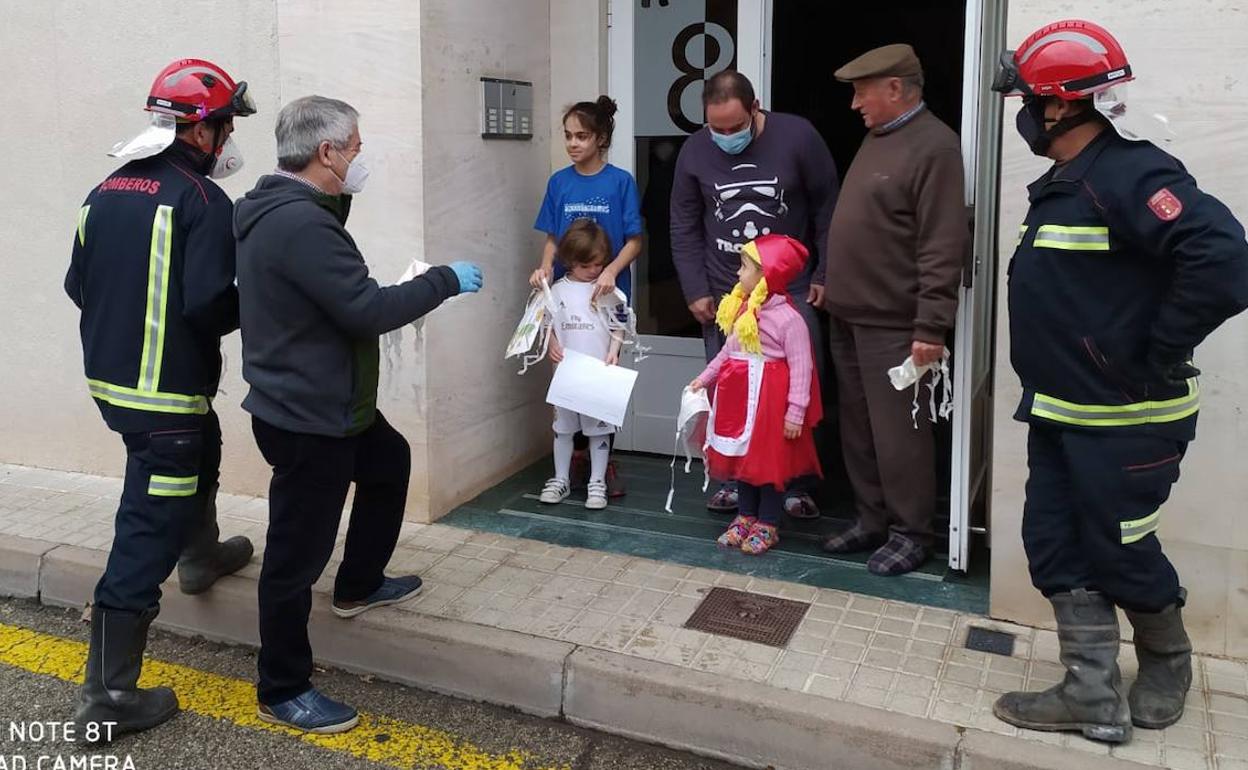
point(908, 375)
point(537, 313)
point(160, 132)
point(1131, 124)
point(695, 408)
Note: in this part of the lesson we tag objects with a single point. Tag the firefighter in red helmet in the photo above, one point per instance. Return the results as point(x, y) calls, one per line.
point(1122, 267)
point(152, 271)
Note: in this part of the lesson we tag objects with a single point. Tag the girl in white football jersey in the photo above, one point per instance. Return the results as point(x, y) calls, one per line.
point(578, 325)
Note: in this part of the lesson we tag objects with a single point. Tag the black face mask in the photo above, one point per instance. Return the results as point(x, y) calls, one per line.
point(1031, 124)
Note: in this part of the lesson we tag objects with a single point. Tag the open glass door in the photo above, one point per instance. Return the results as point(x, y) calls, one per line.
point(659, 54)
point(981, 151)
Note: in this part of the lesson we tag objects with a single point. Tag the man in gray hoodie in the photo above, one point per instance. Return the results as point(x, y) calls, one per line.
point(311, 318)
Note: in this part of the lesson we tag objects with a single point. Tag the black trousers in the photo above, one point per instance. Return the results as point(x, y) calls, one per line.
point(1094, 501)
point(170, 475)
point(765, 502)
point(311, 477)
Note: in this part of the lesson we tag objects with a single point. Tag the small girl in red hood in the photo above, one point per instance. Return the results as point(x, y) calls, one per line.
point(766, 396)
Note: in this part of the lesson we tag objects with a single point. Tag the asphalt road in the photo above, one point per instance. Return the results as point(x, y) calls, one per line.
point(438, 732)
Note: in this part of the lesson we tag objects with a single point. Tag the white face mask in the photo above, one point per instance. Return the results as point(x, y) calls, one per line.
point(357, 175)
point(229, 160)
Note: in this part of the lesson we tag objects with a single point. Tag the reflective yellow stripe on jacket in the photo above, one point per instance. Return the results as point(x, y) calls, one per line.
point(147, 396)
point(1109, 416)
point(82, 225)
point(1072, 238)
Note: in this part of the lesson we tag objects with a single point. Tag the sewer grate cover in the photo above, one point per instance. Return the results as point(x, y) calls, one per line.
point(987, 640)
point(752, 617)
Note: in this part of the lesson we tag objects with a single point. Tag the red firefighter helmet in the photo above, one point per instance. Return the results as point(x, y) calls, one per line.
point(193, 90)
point(1070, 59)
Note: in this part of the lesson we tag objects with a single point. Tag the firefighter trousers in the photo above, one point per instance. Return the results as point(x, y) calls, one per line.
point(1094, 503)
point(170, 475)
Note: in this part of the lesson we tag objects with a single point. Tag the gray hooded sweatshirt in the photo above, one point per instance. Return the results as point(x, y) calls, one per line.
point(310, 314)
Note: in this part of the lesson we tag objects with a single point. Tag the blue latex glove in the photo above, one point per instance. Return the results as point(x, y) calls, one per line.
point(469, 276)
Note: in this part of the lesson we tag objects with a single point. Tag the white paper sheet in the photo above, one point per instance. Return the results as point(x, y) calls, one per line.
point(584, 384)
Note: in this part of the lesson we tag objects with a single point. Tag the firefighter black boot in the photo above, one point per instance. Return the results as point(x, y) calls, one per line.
point(110, 690)
point(1165, 655)
point(204, 560)
point(1090, 698)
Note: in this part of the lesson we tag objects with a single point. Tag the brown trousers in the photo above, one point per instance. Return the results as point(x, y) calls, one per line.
point(891, 464)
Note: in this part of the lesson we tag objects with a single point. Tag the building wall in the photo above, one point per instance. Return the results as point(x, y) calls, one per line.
point(484, 421)
point(437, 192)
point(1186, 70)
point(76, 100)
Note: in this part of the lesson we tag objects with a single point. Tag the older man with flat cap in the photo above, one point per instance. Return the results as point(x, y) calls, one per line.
point(895, 249)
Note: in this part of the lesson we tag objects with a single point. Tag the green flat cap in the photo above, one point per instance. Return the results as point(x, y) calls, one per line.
point(893, 61)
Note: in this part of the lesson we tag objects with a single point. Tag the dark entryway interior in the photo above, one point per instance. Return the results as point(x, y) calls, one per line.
point(811, 40)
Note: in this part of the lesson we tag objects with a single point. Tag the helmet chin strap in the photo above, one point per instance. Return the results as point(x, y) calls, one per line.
point(1066, 124)
point(1040, 136)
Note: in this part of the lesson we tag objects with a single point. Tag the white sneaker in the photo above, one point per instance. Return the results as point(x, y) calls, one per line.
point(555, 491)
point(596, 496)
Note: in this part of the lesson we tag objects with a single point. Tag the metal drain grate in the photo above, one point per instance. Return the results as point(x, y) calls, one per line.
point(752, 617)
point(987, 640)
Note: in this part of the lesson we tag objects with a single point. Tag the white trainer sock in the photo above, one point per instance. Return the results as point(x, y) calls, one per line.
point(599, 455)
point(563, 456)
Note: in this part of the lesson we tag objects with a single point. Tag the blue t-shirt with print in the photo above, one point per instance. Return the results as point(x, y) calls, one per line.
point(609, 198)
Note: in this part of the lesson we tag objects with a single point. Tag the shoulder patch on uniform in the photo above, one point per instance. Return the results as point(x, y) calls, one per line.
point(1165, 205)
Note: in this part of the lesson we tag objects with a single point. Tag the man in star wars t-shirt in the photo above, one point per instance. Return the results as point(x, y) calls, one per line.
point(749, 173)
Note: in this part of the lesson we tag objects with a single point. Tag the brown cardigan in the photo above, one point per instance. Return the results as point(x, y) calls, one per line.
point(899, 232)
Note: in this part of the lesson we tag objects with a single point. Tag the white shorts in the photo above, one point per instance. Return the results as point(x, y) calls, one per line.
point(568, 421)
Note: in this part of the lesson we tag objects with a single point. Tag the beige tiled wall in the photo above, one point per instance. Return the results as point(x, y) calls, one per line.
point(1185, 56)
point(484, 421)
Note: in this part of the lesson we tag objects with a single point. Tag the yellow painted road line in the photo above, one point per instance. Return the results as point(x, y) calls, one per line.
point(377, 738)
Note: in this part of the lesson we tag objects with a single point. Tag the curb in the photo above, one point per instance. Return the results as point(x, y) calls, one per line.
point(641, 699)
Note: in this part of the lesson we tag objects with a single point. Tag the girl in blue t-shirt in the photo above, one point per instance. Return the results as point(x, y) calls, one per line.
point(593, 189)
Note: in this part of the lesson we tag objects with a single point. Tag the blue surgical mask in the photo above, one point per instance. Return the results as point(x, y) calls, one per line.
point(734, 144)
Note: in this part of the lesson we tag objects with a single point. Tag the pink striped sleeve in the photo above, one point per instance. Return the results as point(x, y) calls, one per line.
point(801, 362)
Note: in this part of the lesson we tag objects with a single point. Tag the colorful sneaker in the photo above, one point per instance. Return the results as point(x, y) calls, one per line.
point(737, 531)
point(555, 491)
point(579, 472)
point(724, 500)
point(392, 591)
point(596, 495)
point(762, 537)
point(615, 484)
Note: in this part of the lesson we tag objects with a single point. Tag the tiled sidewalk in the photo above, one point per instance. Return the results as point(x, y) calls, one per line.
point(884, 654)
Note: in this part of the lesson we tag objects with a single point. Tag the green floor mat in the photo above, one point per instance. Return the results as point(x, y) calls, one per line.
point(638, 525)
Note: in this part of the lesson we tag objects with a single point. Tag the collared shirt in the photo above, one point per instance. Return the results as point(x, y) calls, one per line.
point(902, 119)
point(297, 178)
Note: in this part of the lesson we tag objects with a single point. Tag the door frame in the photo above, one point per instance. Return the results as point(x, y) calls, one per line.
point(970, 464)
point(754, 18)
